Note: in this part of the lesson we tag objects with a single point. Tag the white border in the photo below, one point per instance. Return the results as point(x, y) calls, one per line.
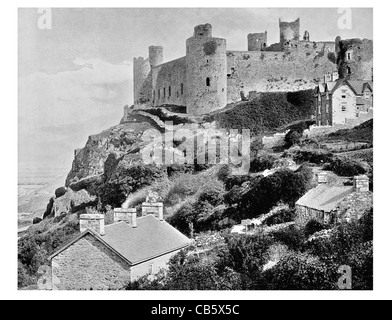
point(383, 212)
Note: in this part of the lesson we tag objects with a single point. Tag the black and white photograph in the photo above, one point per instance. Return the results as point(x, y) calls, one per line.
point(215, 149)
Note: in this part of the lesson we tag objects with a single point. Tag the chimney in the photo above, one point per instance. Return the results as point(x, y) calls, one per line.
point(322, 177)
point(160, 211)
point(95, 222)
point(361, 183)
point(127, 215)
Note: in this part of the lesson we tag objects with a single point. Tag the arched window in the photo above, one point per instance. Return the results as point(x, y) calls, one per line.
point(208, 82)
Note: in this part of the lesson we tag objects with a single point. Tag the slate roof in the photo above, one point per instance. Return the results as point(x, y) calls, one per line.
point(325, 197)
point(152, 238)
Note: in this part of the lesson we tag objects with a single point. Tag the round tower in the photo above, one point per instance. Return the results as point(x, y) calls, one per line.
point(206, 71)
point(155, 55)
point(289, 31)
point(141, 70)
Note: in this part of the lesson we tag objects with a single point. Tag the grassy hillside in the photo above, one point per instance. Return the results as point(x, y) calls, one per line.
point(269, 111)
point(361, 133)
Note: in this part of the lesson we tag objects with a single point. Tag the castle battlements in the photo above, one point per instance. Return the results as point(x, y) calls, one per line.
point(210, 75)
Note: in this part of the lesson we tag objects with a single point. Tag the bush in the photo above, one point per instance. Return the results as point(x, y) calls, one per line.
point(292, 137)
point(317, 156)
point(269, 111)
point(346, 167)
point(301, 271)
point(262, 162)
point(282, 216)
point(312, 227)
point(236, 180)
point(60, 192)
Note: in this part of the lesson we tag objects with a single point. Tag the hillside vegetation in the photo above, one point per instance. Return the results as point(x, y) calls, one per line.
point(269, 111)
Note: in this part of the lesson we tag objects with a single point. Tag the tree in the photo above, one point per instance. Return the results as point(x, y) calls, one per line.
point(292, 137)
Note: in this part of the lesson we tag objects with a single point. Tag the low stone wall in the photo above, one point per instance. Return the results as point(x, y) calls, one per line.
point(315, 131)
point(277, 140)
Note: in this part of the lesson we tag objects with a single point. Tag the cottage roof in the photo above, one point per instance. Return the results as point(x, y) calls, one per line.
point(325, 197)
point(152, 238)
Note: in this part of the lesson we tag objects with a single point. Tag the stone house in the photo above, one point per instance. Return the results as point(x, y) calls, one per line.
point(331, 204)
point(107, 257)
point(337, 102)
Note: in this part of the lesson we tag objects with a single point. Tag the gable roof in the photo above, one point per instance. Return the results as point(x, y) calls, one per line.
point(357, 86)
point(152, 238)
point(325, 197)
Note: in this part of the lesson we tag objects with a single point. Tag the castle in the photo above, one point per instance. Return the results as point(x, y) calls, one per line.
point(210, 76)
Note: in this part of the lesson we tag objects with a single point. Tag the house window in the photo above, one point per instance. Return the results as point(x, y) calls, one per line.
point(367, 95)
point(344, 107)
point(343, 96)
point(208, 82)
point(182, 88)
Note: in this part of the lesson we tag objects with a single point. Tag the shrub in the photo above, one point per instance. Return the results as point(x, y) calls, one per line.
point(312, 227)
point(60, 192)
point(301, 271)
point(269, 111)
point(236, 180)
point(301, 155)
point(346, 167)
point(224, 172)
point(262, 162)
point(292, 137)
point(282, 216)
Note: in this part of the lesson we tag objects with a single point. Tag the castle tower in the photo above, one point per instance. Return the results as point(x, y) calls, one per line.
point(141, 71)
point(155, 55)
point(206, 71)
point(289, 31)
point(354, 58)
point(257, 41)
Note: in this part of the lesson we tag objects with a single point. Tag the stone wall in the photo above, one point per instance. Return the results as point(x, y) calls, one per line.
point(305, 214)
point(88, 264)
point(268, 71)
point(257, 41)
point(169, 83)
point(141, 80)
point(277, 140)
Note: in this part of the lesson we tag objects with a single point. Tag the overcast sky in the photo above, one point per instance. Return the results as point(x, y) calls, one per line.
point(75, 78)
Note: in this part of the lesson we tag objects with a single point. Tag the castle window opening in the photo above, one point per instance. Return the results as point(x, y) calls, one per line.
point(208, 82)
point(344, 107)
point(164, 93)
point(159, 94)
point(182, 88)
point(348, 70)
point(177, 94)
point(344, 96)
point(169, 91)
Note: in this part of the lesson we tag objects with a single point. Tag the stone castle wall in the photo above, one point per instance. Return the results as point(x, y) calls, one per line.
point(268, 71)
point(169, 83)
